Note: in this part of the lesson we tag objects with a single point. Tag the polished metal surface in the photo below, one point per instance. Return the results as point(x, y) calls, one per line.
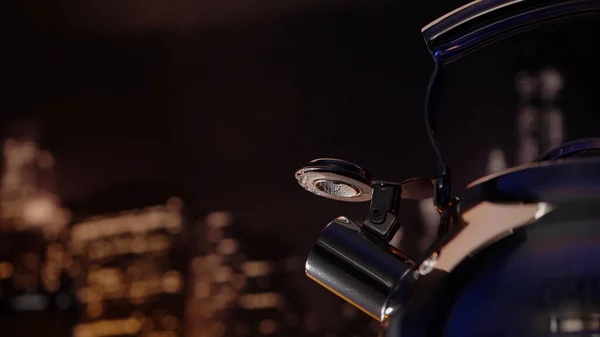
point(334, 186)
point(572, 180)
point(368, 274)
point(342, 180)
point(335, 179)
point(543, 284)
point(337, 188)
point(392, 326)
point(481, 22)
point(363, 269)
point(417, 188)
point(578, 147)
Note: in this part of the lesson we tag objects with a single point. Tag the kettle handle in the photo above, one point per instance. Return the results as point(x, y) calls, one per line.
point(481, 22)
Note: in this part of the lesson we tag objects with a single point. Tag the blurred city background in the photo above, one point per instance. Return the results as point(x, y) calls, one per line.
point(149, 147)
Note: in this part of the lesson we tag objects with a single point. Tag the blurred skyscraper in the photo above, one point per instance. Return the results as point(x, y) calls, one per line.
point(241, 283)
point(132, 272)
point(34, 286)
point(540, 123)
point(121, 264)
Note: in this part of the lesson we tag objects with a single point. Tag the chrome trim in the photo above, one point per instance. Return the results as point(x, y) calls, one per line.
point(368, 274)
point(478, 23)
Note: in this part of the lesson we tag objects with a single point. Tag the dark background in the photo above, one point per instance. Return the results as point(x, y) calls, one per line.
point(221, 101)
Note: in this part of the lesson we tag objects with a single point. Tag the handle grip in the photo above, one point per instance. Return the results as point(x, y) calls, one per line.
point(480, 22)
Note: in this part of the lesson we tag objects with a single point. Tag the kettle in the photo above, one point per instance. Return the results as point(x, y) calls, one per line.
point(516, 254)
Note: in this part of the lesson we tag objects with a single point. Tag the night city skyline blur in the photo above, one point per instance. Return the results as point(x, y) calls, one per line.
point(123, 106)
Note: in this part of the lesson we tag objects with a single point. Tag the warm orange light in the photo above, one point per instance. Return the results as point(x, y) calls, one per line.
point(267, 327)
point(257, 268)
point(6, 270)
point(218, 219)
point(202, 290)
point(222, 274)
point(169, 322)
point(131, 222)
point(105, 328)
point(172, 281)
point(227, 246)
point(260, 300)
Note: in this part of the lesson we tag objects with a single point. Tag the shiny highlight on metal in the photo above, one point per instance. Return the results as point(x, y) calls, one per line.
point(335, 179)
point(479, 23)
point(365, 272)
